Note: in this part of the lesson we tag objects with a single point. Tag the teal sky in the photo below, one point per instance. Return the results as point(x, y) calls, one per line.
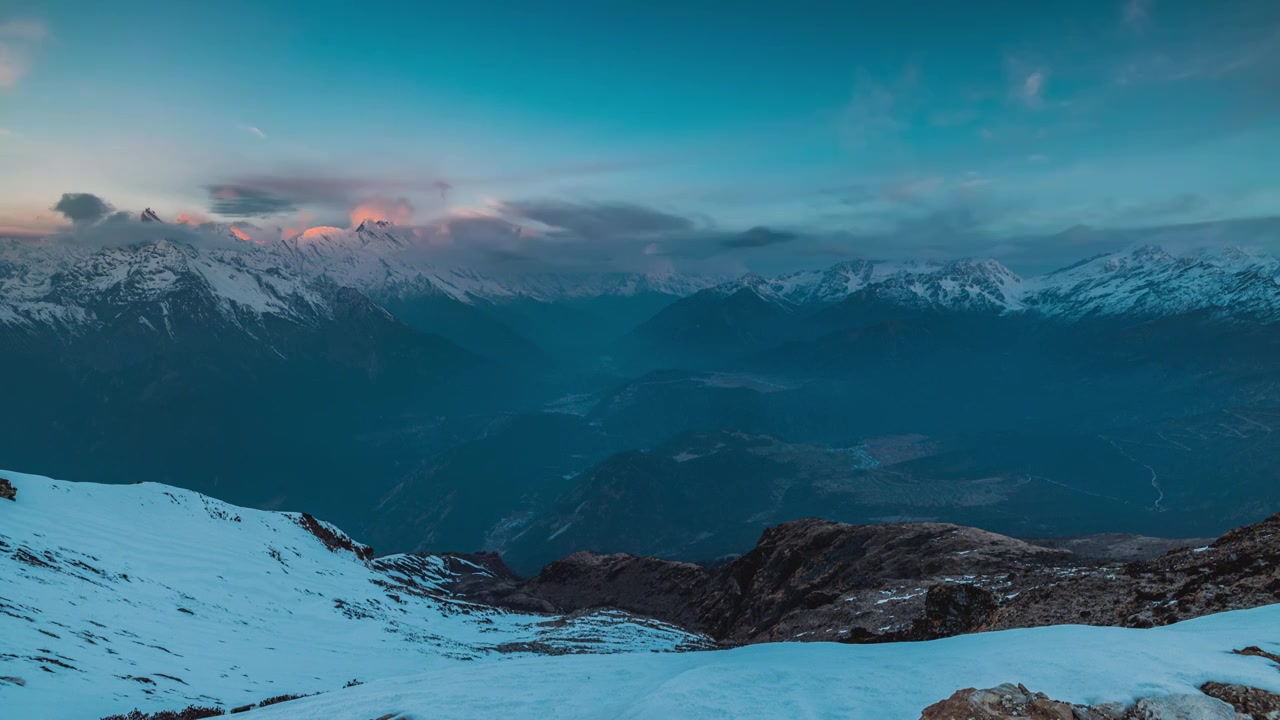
point(844, 120)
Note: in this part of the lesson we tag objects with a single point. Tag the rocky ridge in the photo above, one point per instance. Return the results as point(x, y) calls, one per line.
point(818, 580)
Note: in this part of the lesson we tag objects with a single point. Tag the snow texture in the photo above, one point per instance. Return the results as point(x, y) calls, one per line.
point(121, 596)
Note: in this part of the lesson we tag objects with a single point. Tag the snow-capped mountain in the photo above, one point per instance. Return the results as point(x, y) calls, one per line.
point(379, 259)
point(121, 596)
point(49, 282)
point(386, 261)
point(1150, 282)
point(960, 284)
point(1147, 282)
point(73, 290)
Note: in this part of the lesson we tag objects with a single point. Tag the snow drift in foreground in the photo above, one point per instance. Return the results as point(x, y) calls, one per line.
point(822, 680)
point(121, 596)
point(114, 597)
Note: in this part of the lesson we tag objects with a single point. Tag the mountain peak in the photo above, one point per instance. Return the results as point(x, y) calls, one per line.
point(1150, 253)
point(370, 225)
point(149, 215)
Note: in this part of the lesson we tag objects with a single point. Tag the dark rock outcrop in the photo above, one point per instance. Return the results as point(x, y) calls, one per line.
point(954, 609)
point(1257, 704)
point(7, 490)
point(1009, 701)
point(333, 538)
point(1238, 571)
point(819, 580)
point(801, 580)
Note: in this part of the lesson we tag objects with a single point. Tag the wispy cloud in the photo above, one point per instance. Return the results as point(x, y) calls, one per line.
point(757, 237)
point(599, 221)
point(18, 39)
point(1135, 13)
point(254, 131)
point(245, 201)
point(877, 109)
point(396, 210)
point(1032, 90)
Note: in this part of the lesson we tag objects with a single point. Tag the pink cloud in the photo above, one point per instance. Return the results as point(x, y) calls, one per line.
point(397, 211)
point(18, 39)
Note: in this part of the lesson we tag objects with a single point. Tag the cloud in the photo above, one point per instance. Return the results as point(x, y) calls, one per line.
point(254, 131)
point(757, 237)
point(1135, 13)
point(327, 195)
point(599, 221)
point(191, 217)
point(18, 39)
point(1032, 92)
point(242, 201)
point(397, 211)
point(1159, 210)
point(82, 207)
point(95, 224)
point(876, 109)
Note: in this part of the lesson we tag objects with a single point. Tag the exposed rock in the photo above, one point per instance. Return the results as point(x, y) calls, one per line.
point(1009, 701)
point(819, 580)
point(1258, 704)
point(333, 538)
point(1182, 707)
point(1256, 651)
point(1005, 701)
point(954, 609)
point(1118, 547)
point(7, 490)
point(1238, 571)
point(802, 579)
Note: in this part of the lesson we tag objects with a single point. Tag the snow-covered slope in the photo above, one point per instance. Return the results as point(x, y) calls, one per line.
point(821, 680)
point(1144, 282)
point(379, 259)
point(51, 282)
point(146, 595)
point(115, 597)
point(1150, 282)
point(73, 289)
point(956, 285)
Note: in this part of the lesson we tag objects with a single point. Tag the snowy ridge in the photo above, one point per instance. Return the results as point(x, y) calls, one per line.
point(960, 284)
point(893, 681)
point(50, 283)
point(1230, 283)
point(1150, 282)
point(146, 595)
point(385, 261)
point(71, 289)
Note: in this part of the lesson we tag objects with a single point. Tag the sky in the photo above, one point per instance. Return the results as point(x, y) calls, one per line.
point(717, 134)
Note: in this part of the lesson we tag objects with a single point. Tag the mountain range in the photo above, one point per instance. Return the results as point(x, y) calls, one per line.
point(339, 372)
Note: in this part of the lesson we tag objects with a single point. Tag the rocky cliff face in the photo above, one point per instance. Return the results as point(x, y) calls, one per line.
point(1239, 570)
point(808, 579)
point(818, 580)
